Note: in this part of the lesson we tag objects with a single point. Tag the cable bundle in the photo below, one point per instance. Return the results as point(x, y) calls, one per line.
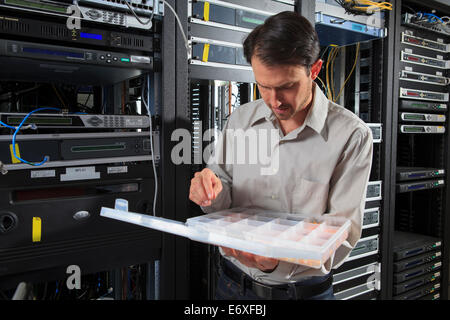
point(329, 86)
point(359, 7)
point(431, 20)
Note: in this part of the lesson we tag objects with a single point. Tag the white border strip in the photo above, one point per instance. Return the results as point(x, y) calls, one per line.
point(367, 226)
point(82, 162)
point(358, 256)
point(366, 272)
point(236, 6)
point(219, 25)
point(219, 65)
point(447, 80)
point(216, 42)
point(422, 39)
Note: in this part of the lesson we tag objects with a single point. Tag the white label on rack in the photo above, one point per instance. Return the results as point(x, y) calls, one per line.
point(440, 40)
point(441, 171)
point(122, 169)
point(408, 69)
point(437, 286)
point(441, 181)
point(438, 73)
point(80, 173)
point(43, 174)
point(132, 122)
point(437, 274)
point(440, 57)
point(438, 254)
point(438, 244)
point(438, 264)
point(408, 50)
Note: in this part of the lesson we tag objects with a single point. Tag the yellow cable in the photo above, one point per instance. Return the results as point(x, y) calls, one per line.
point(321, 81)
point(327, 75)
point(351, 72)
point(327, 78)
point(333, 58)
point(370, 5)
point(59, 97)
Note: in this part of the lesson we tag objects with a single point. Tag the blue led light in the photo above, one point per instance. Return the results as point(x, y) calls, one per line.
point(91, 36)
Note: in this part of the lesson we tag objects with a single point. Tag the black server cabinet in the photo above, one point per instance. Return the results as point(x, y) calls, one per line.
point(215, 80)
point(419, 178)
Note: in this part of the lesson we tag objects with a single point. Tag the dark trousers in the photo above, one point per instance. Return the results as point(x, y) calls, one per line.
point(228, 289)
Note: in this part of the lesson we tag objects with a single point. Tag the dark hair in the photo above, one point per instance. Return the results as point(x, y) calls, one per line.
point(285, 38)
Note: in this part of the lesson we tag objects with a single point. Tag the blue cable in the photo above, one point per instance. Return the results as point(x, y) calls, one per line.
point(430, 16)
point(17, 130)
point(7, 126)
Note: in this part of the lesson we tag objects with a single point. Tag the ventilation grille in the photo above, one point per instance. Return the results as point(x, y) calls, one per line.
point(54, 32)
point(14, 26)
point(132, 42)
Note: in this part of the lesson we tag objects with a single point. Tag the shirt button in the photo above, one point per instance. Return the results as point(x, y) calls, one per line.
point(274, 197)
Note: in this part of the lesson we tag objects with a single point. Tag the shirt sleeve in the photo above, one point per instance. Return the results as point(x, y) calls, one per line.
point(348, 188)
point(346, 198)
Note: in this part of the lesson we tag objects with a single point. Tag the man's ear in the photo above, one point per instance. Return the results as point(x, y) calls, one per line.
point(315, 69)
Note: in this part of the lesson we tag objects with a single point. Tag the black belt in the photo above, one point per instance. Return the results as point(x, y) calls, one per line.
point(273, 292)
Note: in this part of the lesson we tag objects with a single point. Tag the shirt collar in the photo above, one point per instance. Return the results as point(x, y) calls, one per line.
point(318, 113)
point(315, 119)
point(262, 112)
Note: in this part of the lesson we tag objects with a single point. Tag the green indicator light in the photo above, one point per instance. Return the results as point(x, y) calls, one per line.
point(252, 20)
point(125, 60)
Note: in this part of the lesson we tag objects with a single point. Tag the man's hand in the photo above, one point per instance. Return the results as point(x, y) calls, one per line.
point(205, 186)
point(251, 260)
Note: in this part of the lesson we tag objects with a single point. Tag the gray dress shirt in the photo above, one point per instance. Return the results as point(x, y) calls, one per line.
point(321, 167)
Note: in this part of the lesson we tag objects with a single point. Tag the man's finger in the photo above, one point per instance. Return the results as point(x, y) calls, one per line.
point(197, 193)
point(217, 187)
point(207, 185)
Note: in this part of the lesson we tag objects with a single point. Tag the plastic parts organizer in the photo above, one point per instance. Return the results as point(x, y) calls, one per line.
point(296, 238)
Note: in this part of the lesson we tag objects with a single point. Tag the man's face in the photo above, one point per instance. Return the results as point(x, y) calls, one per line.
point(286, 89)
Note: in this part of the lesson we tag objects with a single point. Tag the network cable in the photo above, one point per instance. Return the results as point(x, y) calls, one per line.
point(351, 71)
point(358, 7)
point(431, 19)
point(138, 19)
point(7, 126)
point(17, 130)
point(146, 85)
point(186, 42)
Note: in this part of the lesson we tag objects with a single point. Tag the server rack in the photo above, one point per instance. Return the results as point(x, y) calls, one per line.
point(418, 208)
point(109, 255)
point(218, 80)
point(366, 94)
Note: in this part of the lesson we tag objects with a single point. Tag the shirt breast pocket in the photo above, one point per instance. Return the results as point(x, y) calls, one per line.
point(309, 197)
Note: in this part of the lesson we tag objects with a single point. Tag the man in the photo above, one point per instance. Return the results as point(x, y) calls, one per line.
point(324, 153)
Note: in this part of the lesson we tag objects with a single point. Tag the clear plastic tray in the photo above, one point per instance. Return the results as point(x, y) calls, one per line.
point(295, 238)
